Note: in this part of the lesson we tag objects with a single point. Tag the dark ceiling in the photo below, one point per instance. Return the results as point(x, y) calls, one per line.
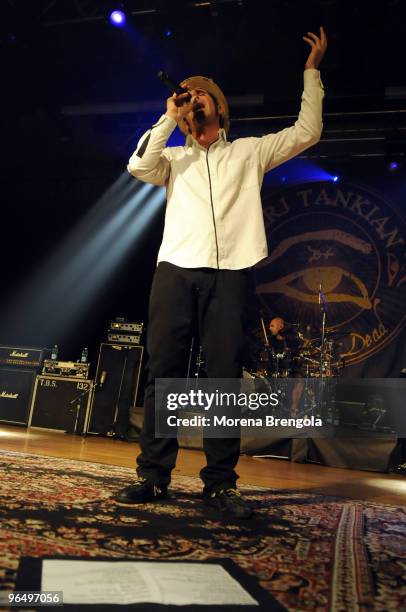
point(75, 87)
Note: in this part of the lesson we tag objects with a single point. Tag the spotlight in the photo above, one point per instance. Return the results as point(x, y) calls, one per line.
point(395, 150)
point(168, 33)
point(117, 18)
point(393, 166)
point(335, 178)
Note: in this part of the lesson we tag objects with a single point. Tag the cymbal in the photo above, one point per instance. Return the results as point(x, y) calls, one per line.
point(309, 340)
point(327, 336)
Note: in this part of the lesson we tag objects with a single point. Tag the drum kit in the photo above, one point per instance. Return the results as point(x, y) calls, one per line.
point(292, 350)
point(313, 360)
point(300, 356)
point(270, 365)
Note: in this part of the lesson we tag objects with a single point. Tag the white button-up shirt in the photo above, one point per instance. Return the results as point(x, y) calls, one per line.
point(214, 213)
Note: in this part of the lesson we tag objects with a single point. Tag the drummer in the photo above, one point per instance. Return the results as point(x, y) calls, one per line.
point(280, 345)
point(276, 326)
point(279, 341)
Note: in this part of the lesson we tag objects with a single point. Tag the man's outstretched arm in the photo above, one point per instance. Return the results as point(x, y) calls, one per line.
point(274, 149)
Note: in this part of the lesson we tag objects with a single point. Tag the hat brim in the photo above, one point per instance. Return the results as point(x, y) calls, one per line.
point(201, 82)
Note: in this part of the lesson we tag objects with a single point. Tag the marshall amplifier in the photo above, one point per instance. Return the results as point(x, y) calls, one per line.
point(15, 395)
point(19, 357)
point(117, 377)
point(52, 406)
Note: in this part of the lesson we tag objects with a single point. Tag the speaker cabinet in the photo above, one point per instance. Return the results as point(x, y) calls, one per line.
point(56, 403)
point(371, 454)
point(15, 395)
point(117, 378)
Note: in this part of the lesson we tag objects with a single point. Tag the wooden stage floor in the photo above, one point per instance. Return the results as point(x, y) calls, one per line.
point(272, 473)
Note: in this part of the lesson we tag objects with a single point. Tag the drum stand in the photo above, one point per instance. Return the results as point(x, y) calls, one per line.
point(309, 398)
point(323, 310)
point(325, 399)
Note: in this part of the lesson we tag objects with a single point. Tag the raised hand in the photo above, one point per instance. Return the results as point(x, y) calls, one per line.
point(178, 106)
point(318, 48)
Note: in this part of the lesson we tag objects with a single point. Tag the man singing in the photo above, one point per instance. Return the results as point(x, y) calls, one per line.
point(214, 233)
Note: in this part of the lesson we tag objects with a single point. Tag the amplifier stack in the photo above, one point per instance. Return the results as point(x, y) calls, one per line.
point(18, 369)
point(40, 391)
point(125, 332)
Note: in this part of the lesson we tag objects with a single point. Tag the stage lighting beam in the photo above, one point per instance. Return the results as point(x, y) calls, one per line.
point(58, 293)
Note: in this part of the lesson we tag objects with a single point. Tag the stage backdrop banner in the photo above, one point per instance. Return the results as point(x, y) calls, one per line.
point(350, 240)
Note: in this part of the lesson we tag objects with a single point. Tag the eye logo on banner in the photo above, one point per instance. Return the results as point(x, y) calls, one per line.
point(350, 240)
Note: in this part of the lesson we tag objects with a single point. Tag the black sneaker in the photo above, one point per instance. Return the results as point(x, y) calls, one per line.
point(141, 492)
point(399, 469)
point(229, 501)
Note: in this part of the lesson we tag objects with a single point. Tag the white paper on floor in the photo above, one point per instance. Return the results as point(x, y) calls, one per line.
point(126, 582)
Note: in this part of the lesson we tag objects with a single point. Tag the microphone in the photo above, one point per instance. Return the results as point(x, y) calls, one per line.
point(103, 377)
point(172, 85)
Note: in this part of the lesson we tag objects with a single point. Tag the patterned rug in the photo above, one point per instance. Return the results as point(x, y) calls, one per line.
point(311, 552)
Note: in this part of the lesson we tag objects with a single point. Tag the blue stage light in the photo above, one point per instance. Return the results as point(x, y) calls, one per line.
point(335, 178)
point(168, 33)
point(117, 19)
point(393, 165)
point(296, 170)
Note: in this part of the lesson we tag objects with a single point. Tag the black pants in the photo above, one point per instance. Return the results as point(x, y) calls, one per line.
point(181, 299)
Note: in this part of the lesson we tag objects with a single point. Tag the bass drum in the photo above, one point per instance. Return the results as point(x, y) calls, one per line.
point(281, 364)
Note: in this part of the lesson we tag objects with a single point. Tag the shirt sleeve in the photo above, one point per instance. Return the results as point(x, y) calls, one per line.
point(150, 161)
point(274, 149)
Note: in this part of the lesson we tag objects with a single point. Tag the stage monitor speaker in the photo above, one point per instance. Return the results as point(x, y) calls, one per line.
point(117, 381)
point(371, 454)
point(15, 395)
point(52, 406)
